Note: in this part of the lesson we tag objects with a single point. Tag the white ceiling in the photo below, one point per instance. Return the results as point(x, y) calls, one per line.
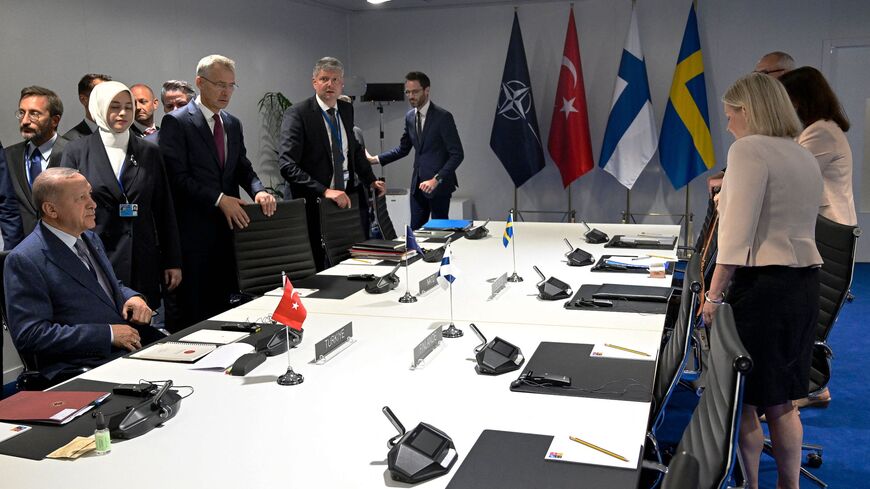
point(363, 5)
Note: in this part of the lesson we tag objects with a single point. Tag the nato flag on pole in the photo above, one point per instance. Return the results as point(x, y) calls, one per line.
point(515, 136)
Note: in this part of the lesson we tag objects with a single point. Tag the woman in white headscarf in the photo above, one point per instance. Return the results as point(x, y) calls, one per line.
point(135, 213)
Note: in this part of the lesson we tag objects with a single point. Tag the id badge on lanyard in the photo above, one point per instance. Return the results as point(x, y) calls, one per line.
point(127, 209)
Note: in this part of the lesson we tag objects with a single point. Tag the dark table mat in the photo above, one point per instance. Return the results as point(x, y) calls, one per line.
point(598, 378)
point(616, 242)
point(508, 460)
point(586, 291)
point(38, 442)
point(330, 286)
point(600, 266)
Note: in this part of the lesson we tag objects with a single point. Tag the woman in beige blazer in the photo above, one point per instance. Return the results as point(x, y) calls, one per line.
point(825, 136)
point(768, 264)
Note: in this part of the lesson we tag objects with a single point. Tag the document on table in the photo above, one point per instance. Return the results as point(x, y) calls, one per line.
point(597, 444)
point(223, 357)
point(280, 291)
point(622, 350)
point(173, 351)
point(636, 261)
point(215, 336)
point(8, 430)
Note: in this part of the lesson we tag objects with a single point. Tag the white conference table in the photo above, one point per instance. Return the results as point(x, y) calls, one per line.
point(329, 431)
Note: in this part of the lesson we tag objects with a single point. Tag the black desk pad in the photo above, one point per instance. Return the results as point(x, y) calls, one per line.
point(508, 460)
point(330, 286)
point(641, 307)
point(599, 378)
point(616, 242)
point(600, 266)
point(38, 442)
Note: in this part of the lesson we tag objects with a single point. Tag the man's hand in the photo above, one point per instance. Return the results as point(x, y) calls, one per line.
point(172, 278)
point(429, 185)
point(232, 209)
point(707, 312)
point(136, 311)
point(267, 202)
point(372, 159)
point(339, 197)
point(380, 186)
point(124, 336)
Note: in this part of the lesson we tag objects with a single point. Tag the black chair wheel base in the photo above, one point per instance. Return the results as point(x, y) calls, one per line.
point(814, 460)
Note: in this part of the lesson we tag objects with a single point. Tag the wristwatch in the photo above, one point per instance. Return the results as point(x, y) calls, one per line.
point(438, 178)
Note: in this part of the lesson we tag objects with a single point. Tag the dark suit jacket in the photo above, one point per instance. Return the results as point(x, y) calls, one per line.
point(59, 315)
point(141, 247)
point(305, 154)
point(139, 134)
point(18, 176)
point(10, 216)
point(440, 151)
point(197, 179)
point(81, 130)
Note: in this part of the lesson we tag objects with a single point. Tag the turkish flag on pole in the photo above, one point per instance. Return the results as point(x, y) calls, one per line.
point(569, 142)
point(290, 311)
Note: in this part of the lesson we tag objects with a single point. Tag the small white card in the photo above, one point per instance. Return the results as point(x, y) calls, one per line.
point(215, 336)
point(280, 292)
point(223, 357)
point(7, 430)
point(593, 448)
point(625, 351)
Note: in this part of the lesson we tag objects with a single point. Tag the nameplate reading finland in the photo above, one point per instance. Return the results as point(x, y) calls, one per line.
point(428, 344)
point(330, 343)
point(499, 284)
point(428, 283)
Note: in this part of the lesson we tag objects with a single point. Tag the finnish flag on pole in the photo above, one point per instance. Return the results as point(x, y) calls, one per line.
point(630, 138)
point(447, 272)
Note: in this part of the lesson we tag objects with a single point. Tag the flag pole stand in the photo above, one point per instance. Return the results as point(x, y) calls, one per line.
point(290, 377)
point(407, 298)
point(572, 216)
point(514, 276)
point(452, 331)
point(626, 216)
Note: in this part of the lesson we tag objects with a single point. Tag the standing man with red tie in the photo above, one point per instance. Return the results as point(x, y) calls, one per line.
point(206, 162)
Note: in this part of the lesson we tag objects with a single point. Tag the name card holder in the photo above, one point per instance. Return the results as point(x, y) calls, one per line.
point(428, 283)
point(423, 352)
point(335, 343)
point(498, 285)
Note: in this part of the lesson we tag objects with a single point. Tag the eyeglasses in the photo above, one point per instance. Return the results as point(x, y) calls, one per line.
point(222, 85)
point(769, 72)
point(33, 115)
point(413, 92)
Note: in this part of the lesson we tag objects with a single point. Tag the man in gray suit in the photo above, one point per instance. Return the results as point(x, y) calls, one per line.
point(87, 126)
point(39, 113)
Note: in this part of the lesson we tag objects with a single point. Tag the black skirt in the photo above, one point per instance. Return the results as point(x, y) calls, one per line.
point(776, 309)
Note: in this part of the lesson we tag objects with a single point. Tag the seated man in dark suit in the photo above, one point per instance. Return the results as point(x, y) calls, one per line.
point(87, 126)
point(65, 306)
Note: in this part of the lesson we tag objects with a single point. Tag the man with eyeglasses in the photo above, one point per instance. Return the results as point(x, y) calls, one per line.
point(39, 113)
point(318, 154)
point(775, 64)
point(431, 131)
point(87, 126)
point(204, 151)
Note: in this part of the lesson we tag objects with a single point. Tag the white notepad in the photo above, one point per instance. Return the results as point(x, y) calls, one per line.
point(563, 449)
point(223, 358)
point(618, 350)
point(173, 351)
point(216, 336)
point(8, 430)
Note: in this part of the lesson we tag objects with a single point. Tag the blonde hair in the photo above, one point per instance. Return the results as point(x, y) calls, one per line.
point(769, 111)
point(205, 64)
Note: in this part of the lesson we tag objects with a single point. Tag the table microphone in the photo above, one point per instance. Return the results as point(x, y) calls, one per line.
point(386, 283)
point(551, 289)
point(577, 257)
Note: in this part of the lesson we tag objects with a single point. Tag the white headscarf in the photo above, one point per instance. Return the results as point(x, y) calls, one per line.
point(98, 105)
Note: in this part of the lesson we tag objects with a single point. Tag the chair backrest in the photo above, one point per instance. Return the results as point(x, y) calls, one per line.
point(271, 245)
point(340, 228)
point(674, 354)
point(682, 472)
point(382, 217)
point(711, 436)
point(837, 244)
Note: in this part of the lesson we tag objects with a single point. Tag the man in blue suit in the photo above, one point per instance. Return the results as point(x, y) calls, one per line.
point(204, 151)
point(65, 306)
point(11, 226)
point(431, 131)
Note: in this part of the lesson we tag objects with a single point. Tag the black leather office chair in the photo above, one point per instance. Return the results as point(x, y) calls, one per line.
point(339, 229)
point(682, 472)
point(675, 353)
point(837, 243)
point(271, 245)
point(382, 217)
point(711, 436)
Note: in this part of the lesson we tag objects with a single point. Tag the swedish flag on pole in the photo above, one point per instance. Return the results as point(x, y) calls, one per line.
point(508, 230)
point(685, 146)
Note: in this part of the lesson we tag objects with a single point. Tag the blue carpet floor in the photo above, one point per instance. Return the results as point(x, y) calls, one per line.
point(844, 427)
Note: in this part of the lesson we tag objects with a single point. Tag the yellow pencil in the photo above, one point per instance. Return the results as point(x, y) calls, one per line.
point(626, 349)
point(596, 447)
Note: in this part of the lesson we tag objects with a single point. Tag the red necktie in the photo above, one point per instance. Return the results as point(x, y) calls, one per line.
point(219, 139)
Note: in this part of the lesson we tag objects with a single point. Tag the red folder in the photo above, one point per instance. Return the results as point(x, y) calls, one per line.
point(55, 407)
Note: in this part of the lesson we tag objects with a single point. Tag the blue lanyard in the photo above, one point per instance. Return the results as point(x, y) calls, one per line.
point(121, 174)
point(336, 132)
